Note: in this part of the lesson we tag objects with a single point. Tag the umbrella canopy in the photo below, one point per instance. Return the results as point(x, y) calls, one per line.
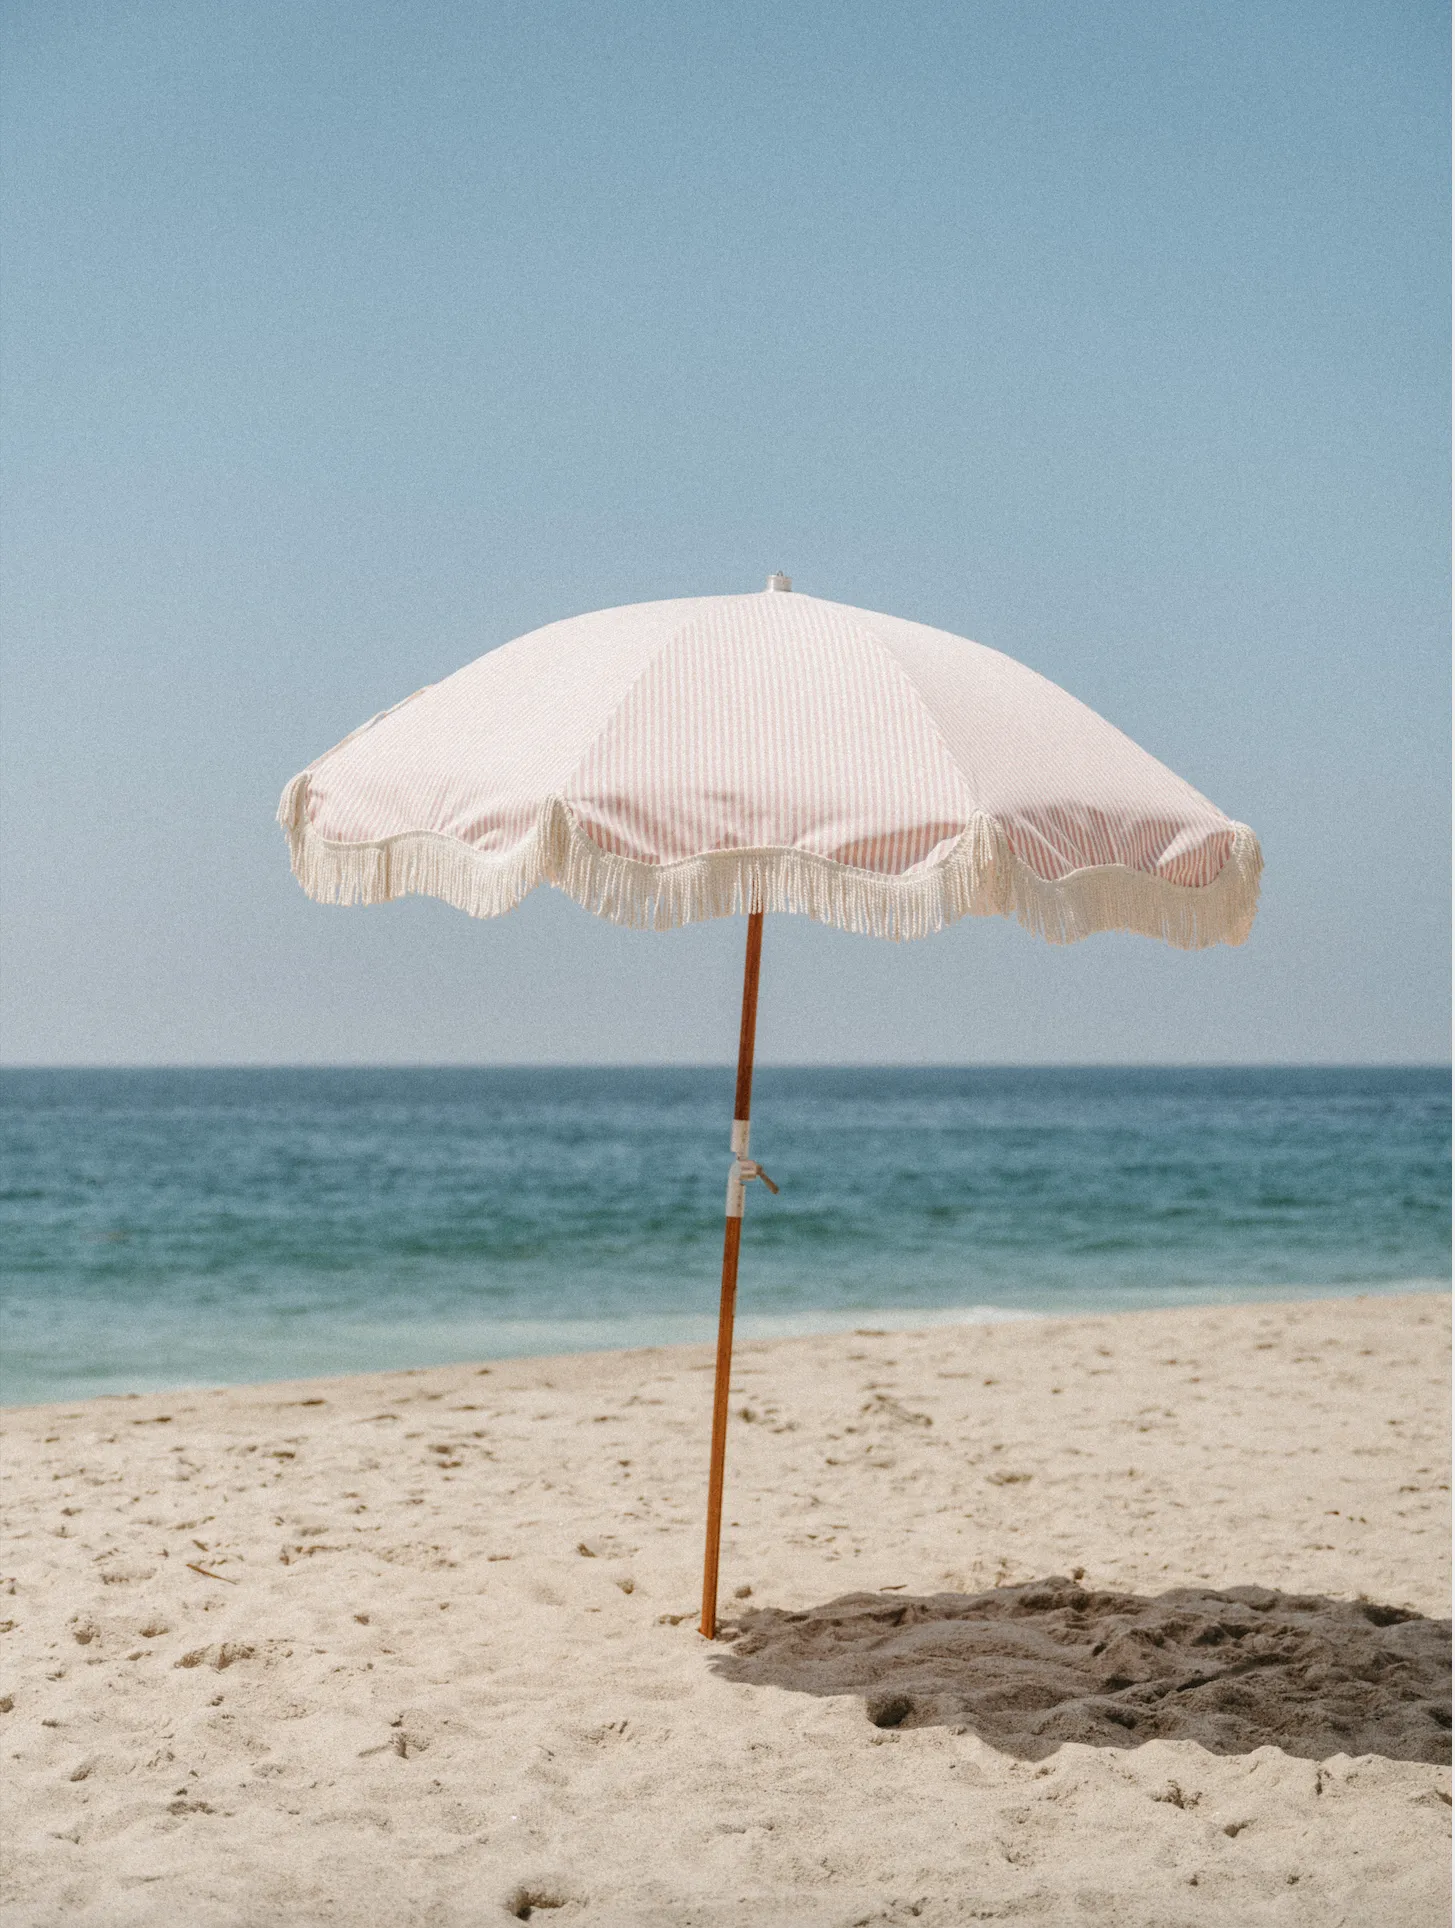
point(672, 761)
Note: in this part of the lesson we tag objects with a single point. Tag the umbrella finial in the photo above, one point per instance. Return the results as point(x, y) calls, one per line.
point(779, 581)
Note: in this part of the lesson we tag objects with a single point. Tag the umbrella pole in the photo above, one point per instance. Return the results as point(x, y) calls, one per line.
point(732, 1239)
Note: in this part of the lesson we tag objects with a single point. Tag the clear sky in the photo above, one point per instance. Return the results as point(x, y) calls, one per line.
point(345, 340)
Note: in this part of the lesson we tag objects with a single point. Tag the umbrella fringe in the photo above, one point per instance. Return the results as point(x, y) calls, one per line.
point(420, 863)
point(1114, 897)
point(979, 877)
point(970, 881)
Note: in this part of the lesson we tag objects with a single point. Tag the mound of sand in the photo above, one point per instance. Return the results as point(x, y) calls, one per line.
point(1030, 1667)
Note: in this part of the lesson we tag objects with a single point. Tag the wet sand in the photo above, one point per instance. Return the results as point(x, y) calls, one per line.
point(1132, 1620)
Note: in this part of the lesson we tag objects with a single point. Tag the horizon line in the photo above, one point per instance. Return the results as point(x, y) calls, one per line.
point(726, 1064)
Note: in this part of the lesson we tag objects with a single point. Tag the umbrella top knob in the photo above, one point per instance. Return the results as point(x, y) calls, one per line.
point(779, 581)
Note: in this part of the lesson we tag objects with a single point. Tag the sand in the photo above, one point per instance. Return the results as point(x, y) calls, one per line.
point(1128, 1620)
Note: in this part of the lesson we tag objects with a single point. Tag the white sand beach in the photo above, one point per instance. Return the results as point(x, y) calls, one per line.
point(420, 1648)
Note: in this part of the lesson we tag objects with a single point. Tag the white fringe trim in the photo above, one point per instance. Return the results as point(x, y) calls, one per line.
point(978, 878)
point(1113, 897)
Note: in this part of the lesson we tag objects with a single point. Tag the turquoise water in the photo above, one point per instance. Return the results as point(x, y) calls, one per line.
point(174, 1227)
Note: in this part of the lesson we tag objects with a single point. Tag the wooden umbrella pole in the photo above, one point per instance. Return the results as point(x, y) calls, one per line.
point(732, 1240)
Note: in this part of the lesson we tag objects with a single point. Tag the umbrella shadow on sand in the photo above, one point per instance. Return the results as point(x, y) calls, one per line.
point(1030, 1667)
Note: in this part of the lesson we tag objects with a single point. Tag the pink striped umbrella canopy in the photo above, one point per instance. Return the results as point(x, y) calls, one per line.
point(671, 761)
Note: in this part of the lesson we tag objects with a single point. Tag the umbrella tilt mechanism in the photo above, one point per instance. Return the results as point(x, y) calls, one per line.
point(743, 1170)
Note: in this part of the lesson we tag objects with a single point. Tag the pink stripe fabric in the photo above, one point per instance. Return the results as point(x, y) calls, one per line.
point(1071, 791)
point(764, 728)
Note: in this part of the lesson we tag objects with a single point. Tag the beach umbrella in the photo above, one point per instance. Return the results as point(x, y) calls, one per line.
point(735, 755)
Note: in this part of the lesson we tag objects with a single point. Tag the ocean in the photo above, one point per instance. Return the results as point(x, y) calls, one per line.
point(169, 1227)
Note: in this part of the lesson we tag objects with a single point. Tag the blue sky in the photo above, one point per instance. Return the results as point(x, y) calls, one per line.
point(345, 341)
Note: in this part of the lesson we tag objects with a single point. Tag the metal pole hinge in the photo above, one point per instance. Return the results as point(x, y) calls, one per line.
point(741, 1173)
point(743, 1170)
